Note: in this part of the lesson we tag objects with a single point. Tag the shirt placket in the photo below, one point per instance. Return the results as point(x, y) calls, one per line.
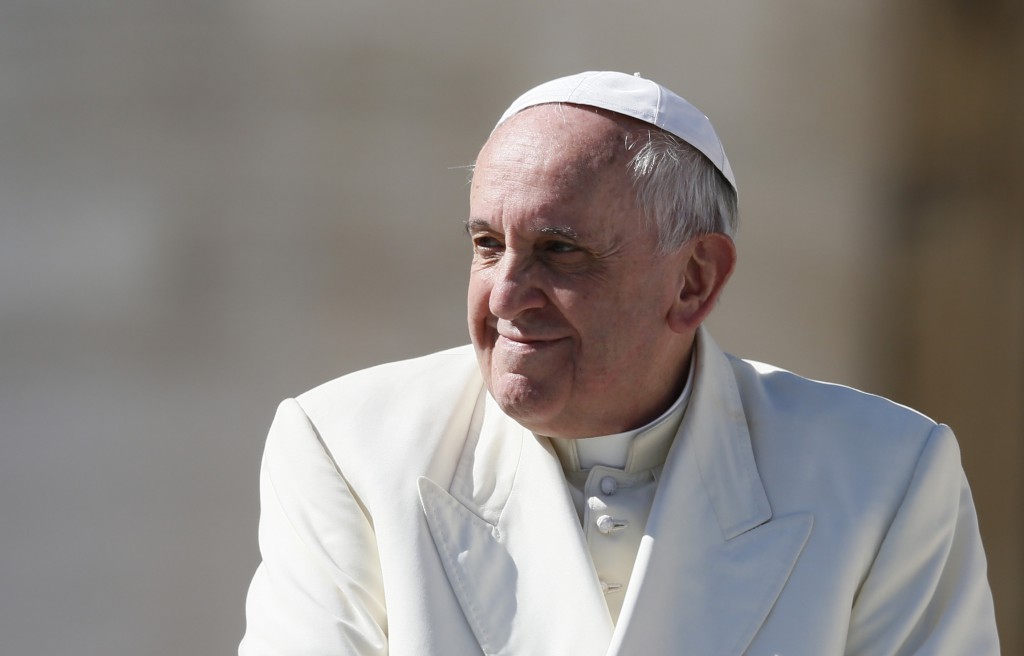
point(617, 504)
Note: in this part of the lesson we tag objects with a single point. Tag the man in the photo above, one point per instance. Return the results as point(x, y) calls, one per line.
point(600, 478)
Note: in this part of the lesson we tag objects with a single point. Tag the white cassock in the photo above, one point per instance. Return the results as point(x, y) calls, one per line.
point(404, 513)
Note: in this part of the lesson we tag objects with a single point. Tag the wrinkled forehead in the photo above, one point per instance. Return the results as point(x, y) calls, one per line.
point(556, 167)
point(567, 145)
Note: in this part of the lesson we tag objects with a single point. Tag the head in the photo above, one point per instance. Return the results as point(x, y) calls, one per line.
point(585, 295)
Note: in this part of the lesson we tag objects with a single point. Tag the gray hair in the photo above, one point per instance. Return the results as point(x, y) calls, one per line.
point(680, 189)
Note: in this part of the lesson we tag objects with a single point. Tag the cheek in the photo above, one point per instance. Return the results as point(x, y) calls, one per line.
point(477, 297)
point(478, 312)
point(611, 339)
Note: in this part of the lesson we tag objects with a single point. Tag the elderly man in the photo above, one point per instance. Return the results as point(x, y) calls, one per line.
point(600, 478)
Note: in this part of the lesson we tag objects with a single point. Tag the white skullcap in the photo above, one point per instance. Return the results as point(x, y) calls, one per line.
point(632, 95)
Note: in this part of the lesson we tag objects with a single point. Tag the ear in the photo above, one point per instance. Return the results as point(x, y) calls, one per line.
point(709, 260)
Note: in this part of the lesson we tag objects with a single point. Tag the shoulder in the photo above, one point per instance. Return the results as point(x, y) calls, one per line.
point(418, 380)
point(819, 444)
point(392, 419)
point(770, 393)
point(893, 520)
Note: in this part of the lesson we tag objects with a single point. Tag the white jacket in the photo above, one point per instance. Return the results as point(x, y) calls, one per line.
point(403, 513)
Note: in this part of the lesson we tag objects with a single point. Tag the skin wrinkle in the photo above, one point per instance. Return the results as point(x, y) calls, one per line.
point(603, 152)
point(633, 136)
point(562, 234)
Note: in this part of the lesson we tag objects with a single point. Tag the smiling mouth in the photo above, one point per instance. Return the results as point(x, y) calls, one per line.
point(524, 344)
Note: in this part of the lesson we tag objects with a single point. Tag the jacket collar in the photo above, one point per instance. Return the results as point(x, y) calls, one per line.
point(711, 549)
point(511, 545)
point(514, 553)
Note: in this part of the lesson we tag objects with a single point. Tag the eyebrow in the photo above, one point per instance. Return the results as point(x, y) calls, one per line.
point(560, 231)
point(564, 231)
point(476, 224)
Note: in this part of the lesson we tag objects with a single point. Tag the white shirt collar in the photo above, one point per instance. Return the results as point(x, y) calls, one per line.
point(634, 450)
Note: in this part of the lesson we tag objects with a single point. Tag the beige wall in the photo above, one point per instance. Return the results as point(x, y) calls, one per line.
point(207, 207)
point(956, 350)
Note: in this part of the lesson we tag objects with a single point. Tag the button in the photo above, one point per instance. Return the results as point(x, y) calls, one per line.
point(606, 524)
point(609, 485)
point(609, 588)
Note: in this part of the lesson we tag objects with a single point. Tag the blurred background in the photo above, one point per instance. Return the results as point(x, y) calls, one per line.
point(206, 207)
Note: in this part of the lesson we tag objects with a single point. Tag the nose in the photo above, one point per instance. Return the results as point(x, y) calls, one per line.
point(514, 287)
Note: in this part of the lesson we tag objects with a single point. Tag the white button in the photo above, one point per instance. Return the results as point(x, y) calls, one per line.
point(609, 485)
point(609, 588)
point(606, 524)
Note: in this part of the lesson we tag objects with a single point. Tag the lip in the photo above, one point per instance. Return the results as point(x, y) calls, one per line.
point(525, 343)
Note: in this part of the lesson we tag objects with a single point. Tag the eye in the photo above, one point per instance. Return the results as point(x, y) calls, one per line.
point(558, 247)
point(487, 245)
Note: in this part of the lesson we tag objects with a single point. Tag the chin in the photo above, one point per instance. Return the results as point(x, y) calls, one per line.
point(534, 407)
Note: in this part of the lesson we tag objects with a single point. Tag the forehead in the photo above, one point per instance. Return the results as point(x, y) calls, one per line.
point(561, 150)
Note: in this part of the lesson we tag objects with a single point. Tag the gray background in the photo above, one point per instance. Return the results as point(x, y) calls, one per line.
point(206, 207)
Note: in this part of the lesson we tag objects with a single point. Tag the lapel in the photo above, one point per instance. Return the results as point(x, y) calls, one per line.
point(713, 560)
point(511, 545)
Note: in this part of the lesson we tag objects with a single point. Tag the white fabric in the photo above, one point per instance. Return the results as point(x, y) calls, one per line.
point(404, 514)
point(608, 450)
